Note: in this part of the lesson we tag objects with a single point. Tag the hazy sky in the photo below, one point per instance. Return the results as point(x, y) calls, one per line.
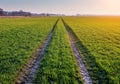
point(64, 6)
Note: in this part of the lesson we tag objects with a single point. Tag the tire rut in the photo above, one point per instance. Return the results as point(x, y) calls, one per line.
point(30, 72)
point(83, 71)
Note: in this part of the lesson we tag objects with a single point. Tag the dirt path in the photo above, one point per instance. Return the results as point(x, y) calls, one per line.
point(87, 79)
point(32, 70)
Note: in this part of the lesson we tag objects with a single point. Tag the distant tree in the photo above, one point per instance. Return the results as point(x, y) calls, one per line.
point(47, 14)
point(1, 12)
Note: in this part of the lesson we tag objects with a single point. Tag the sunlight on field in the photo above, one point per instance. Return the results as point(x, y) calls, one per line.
point(97, 39)
point(101, 37)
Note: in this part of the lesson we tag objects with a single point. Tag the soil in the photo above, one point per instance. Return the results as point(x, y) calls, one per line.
point(29, 73)
point(83, 71)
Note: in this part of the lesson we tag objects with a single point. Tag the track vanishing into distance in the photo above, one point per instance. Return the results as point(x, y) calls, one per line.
point(85, 75)
point(34, 66)
point(29, 73)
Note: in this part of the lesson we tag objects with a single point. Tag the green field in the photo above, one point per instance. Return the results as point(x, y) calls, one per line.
point(58, 65)
point(97, 39)
point(19, 37)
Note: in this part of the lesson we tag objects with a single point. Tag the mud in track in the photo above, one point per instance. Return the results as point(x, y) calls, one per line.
point(29, 78)
point(85, 75)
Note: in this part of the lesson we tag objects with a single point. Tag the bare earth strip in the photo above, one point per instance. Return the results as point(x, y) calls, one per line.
point(29, 74)
point(85, 75)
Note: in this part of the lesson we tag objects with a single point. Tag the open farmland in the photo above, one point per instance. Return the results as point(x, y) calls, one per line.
point(98, 41)
point(71, 50)
point(19, 38)
point(59, 65)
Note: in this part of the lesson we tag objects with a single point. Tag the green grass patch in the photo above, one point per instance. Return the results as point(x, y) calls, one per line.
point(99, 44)
point(19, 38)
point(58, 65)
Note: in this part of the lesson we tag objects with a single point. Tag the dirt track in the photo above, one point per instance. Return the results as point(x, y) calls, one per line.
point(29, 78)
point(85, 75)
point(34, 66)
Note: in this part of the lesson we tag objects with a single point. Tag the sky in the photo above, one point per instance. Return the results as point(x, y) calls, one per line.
point(68, 7)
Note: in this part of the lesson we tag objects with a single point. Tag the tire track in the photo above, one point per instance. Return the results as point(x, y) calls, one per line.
point(85, 75)
point(29, 73)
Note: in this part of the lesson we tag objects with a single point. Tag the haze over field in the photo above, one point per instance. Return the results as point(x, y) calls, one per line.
point(69, 7)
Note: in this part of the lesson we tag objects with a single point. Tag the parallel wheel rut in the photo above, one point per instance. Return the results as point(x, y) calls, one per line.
point(29, 78)
point(83, 71)
point(30, 72)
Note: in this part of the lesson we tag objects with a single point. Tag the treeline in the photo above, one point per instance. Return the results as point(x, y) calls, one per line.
point(22, 13)
point(14, 13)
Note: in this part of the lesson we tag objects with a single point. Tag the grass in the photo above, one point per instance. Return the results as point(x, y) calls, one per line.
point(58, 65)
point(19, 38)
point(98, 40)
